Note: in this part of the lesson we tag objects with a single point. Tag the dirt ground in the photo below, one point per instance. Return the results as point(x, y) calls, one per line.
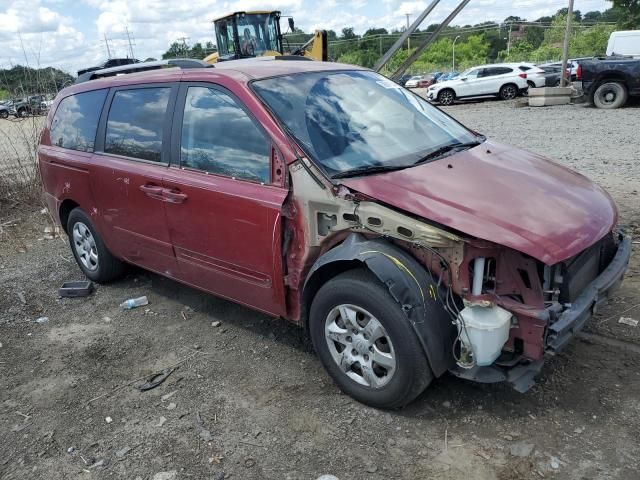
point(249, 400)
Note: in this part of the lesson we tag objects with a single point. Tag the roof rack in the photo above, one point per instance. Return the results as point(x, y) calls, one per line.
point(182, 63)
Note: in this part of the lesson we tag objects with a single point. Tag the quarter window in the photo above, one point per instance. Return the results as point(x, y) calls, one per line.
point(219, 137)
point(136, 121)
point(75, 122)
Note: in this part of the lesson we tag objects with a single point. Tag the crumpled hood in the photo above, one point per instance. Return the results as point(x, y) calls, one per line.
point(504, 195)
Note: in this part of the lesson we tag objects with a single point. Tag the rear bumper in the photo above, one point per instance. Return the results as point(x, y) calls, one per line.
point(566, 324)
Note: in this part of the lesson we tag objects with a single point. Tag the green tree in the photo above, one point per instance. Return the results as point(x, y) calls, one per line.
point(348, 34)
point(629, 11)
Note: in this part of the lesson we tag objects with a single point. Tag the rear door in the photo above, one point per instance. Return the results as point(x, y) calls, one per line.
point(132, 155)
point(224, 210)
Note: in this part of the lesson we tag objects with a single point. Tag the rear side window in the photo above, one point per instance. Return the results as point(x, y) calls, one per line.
point(75, 122)
point(219, 137)
point(136, 121)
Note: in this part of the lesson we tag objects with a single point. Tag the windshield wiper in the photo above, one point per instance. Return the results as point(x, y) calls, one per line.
point(440, 152)
point(369, 169)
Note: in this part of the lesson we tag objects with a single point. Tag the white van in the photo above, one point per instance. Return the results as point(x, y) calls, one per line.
point(624, 43)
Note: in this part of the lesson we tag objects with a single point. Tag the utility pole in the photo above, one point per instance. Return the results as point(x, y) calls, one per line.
point(565, 46)
point(130, 43)
point(409, 37)
point(509, 40)
point(106, 42)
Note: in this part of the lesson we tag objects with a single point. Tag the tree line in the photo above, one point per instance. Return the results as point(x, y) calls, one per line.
point(20, 81)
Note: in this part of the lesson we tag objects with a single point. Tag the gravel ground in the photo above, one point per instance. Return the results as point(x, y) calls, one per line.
point(249, 400)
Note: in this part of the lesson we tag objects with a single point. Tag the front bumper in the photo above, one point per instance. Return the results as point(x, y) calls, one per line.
point(571, 320)
point(566, 324)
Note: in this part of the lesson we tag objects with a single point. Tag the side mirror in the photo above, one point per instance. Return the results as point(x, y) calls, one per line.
point(463, 79)
point(292, 25)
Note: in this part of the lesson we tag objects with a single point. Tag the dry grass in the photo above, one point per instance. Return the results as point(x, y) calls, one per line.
point(20, 182)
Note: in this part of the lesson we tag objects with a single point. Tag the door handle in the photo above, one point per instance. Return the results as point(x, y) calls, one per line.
point(153, 191)
point(174, 195)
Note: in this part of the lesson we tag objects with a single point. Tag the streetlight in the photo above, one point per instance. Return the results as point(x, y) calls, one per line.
point(453, 67)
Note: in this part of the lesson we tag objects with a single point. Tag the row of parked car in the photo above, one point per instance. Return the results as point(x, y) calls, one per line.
point(20, 108)
point(505, 80)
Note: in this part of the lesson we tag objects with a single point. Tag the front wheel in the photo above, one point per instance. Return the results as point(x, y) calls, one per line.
point(366, 342)
point(4, 114)
point(508, 91)
point(446, 97)
point(610, 95)
point(21, 113)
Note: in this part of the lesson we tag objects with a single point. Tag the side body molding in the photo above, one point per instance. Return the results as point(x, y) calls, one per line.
point(409, 283)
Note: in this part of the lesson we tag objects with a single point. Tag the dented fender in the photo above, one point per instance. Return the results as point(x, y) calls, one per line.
point(410, 284)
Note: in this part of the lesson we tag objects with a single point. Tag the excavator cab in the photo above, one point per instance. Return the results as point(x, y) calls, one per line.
point(247, 35)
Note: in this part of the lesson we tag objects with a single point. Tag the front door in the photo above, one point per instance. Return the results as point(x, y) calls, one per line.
point(223, 211)
point(127, 169)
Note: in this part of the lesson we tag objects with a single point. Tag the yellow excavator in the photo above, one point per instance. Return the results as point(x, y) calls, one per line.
point(257, 34)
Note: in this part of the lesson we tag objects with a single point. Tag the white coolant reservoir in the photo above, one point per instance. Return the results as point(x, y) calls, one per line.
point(485, 331)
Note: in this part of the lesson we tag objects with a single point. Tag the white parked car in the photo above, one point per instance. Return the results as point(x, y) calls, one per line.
point(535, 75)
point(413, 81)
point(503, 80)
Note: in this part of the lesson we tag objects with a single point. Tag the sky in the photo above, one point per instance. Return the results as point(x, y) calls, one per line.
point(69, 34)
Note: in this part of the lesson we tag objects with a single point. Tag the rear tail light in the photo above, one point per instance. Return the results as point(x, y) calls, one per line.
point(579, 72)
point(522, 75)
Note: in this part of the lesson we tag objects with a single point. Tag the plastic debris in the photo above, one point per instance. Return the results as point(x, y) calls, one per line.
point(108, 419)
point(216, 323)
point(156, 379)
point(628, 321)
point(134, 302)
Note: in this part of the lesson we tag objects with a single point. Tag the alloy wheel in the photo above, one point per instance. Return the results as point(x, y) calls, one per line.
point(85, 246)
point(360, 346)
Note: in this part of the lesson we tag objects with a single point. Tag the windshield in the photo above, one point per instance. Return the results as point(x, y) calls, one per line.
point(258, 34)
point(358, 119)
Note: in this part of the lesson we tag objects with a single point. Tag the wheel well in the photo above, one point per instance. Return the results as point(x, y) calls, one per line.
point(449, 89)
point(510, 83)
point(65, 209)
point(319, 278)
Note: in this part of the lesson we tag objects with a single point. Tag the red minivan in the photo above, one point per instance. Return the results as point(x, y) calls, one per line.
point(406, 244)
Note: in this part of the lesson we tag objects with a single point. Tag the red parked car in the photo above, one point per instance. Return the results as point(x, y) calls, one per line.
point(299, 188)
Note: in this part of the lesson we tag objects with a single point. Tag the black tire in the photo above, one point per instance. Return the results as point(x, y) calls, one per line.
point(361, 289)
point(446, 96)
point(4, 114)
point(508, 91)
point(530, 84)
point(610, 95)
point(107, 267)
point(21, 113)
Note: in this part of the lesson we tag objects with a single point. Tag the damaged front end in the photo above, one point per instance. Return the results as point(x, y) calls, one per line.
point(499, 310)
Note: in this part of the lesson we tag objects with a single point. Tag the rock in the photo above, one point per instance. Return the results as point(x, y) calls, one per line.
point(108, 419)
point(371, 468)
point(327, 477)
point(507, 437)
point(161, 422)
point(171, 475)
point(521, 449)
point(216, 323)
point(171, 406)
point(122, 452)
point(446, 404)
point(555, 463)
point(42, 320)
point(168, 395)
point(71, 449)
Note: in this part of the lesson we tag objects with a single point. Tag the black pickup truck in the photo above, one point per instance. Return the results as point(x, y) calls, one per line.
point(608, 82)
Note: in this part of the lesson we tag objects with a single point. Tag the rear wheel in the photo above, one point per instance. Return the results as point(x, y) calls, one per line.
point(366, 342)
point(610, 95)
point(508, 91)
point(21, 113)
point(446, 96)
point(4, 114)
point(93, 258)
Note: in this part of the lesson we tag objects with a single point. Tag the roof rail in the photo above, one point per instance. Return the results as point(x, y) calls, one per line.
point(182, 63)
